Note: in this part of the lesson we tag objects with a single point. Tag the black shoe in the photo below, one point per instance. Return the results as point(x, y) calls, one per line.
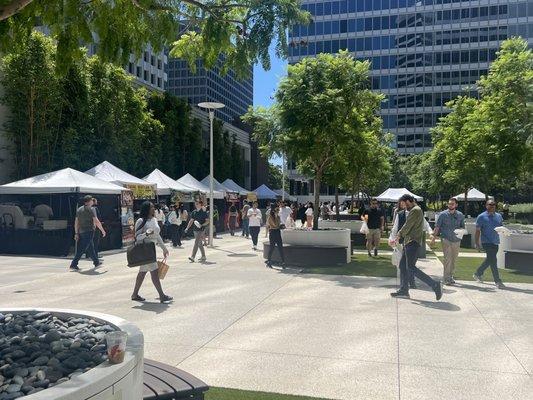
point(438, 290)
point(76, 268)
point(98, 265)
point(369, 253)
point(412, 285)
point(165, 299)
point(400, 293)
point(191, 259)
point(375, 252)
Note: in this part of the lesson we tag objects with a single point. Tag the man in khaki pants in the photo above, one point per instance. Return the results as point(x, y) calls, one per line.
point(448, 221)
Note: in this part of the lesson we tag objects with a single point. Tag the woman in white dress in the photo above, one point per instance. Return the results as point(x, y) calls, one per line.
point(147, 229)
point(309, 215)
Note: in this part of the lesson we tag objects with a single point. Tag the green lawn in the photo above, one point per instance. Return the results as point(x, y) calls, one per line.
point(233, 394)
point(466, 266)
point(438, 247)
point(361, 265)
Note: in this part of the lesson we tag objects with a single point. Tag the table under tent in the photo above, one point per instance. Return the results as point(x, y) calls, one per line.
point(37, 214)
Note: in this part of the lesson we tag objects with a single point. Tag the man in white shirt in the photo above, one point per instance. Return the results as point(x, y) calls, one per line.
point(42, 212)
point(284, 212)
point(254, 217)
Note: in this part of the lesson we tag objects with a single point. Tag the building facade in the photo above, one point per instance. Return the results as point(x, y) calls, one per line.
point(423, 53)
point(210, 85)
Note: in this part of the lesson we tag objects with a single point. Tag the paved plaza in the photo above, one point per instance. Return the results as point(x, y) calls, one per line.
point(235, 323)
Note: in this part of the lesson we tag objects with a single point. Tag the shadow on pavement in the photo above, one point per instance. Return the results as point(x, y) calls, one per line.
point(157, 308)
point(92, 272)
point(474, 287)
point(241, 255)
point(518, 290)
point(440, 305)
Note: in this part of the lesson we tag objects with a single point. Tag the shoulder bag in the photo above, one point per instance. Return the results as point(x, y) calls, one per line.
point(141, 253)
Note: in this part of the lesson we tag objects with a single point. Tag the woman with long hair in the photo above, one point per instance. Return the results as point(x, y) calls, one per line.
point(232, 219)
point(273, 226)
point(147, 229)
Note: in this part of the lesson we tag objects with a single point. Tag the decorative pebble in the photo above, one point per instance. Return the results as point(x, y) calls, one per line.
point(41, 350)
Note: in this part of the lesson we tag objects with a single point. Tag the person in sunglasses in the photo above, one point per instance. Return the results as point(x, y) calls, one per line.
point(489, 240)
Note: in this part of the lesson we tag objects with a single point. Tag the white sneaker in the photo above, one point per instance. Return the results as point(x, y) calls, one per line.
point(477, 278)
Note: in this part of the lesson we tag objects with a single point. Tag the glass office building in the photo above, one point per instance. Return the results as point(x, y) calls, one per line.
point(423, 53)
point(211, 85)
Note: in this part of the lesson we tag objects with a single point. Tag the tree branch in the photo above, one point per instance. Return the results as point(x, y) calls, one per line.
point(13, 8)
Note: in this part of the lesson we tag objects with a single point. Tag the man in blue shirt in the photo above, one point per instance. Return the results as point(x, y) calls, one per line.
point(448, 221)
point(488, 239)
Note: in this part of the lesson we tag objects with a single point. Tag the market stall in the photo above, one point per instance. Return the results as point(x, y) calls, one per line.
point(284, 195)
point(231, 197)
point(392, 195)
point(235, 187)
point(139, 191)
point(37, 214)
point(476, 202)
point(168, 190)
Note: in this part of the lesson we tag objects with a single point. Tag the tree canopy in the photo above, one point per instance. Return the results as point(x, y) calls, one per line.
point(324, 110)
point(242, 30)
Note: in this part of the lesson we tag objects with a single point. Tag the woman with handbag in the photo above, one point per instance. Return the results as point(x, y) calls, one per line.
point(147, 230)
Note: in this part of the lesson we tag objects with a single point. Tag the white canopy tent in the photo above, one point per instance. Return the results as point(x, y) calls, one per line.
point(263, 192)
point(233, 186)
point(110, 173)
point(473, 195)
point(287, 196)
point(66, 180)
point(358, 196)
point(191, 181)
point(217, 186)
point(165, 184)
point(393, 194)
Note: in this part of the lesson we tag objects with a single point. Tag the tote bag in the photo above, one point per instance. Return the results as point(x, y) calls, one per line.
point(141, 253)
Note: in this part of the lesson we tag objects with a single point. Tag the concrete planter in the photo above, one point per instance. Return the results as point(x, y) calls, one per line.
point(354, 226)
point(106, 381)
point(318, 238)
point(514, 241)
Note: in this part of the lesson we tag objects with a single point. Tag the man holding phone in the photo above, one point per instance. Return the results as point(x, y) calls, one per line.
point(199, 220)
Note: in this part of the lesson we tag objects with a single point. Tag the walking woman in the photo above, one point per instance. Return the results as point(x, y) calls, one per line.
point(147, 229)
point(254, 218)
point(309, 214)
point(232, 219)
point(273, 226)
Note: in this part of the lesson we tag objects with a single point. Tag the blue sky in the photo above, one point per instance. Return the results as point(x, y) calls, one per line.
point(265, 83)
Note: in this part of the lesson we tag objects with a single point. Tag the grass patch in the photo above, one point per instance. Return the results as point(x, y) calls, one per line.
point(438, 247)
point(234, 394)
point(466, 266)
point(361, 265)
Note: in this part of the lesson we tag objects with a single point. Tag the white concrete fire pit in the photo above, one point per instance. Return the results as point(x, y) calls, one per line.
point(61, 354)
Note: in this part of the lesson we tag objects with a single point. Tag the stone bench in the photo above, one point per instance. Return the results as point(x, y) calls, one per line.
point(519, 259)
point(308, 256)
point(164, 382)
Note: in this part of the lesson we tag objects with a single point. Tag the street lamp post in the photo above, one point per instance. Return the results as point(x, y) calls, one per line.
point(283, 177)
point(211, 107)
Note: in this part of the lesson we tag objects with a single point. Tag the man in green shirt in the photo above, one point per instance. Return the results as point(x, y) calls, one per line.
point(84, 226)
point(412, 233)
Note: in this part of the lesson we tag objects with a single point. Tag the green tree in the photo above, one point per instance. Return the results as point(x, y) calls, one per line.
point(237, 162)
point(321, 109)
point(32, 92)
point(242, 30)
point(275, 177)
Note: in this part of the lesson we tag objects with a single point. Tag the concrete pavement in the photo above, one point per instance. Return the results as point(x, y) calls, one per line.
point(235, 323)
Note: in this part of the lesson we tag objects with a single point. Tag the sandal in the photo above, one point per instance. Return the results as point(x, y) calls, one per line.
point(165, 298)
point(138, 298)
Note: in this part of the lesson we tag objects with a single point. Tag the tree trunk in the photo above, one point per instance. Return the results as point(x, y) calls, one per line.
point(337, 204)
point(353, 195)
point(316, 207)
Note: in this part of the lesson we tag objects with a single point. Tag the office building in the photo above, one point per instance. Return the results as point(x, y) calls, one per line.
point(423, 52)
point(210, 85)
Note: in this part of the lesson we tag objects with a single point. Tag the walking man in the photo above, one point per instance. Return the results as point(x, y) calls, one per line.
point(199, 220)
point(448, 221)
point(174, 220)
point(245, 220)
point(375, 219)
point(489, 240)
point(412, 234)
point(84, 227)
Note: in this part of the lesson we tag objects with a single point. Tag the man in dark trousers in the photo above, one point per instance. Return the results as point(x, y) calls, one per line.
point(84, 227)
point(97, 234)
point(412, 234)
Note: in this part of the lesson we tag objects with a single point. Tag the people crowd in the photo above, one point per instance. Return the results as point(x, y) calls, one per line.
point(160, 223)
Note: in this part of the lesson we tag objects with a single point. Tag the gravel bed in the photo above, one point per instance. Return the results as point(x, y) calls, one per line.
point(41, 350)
